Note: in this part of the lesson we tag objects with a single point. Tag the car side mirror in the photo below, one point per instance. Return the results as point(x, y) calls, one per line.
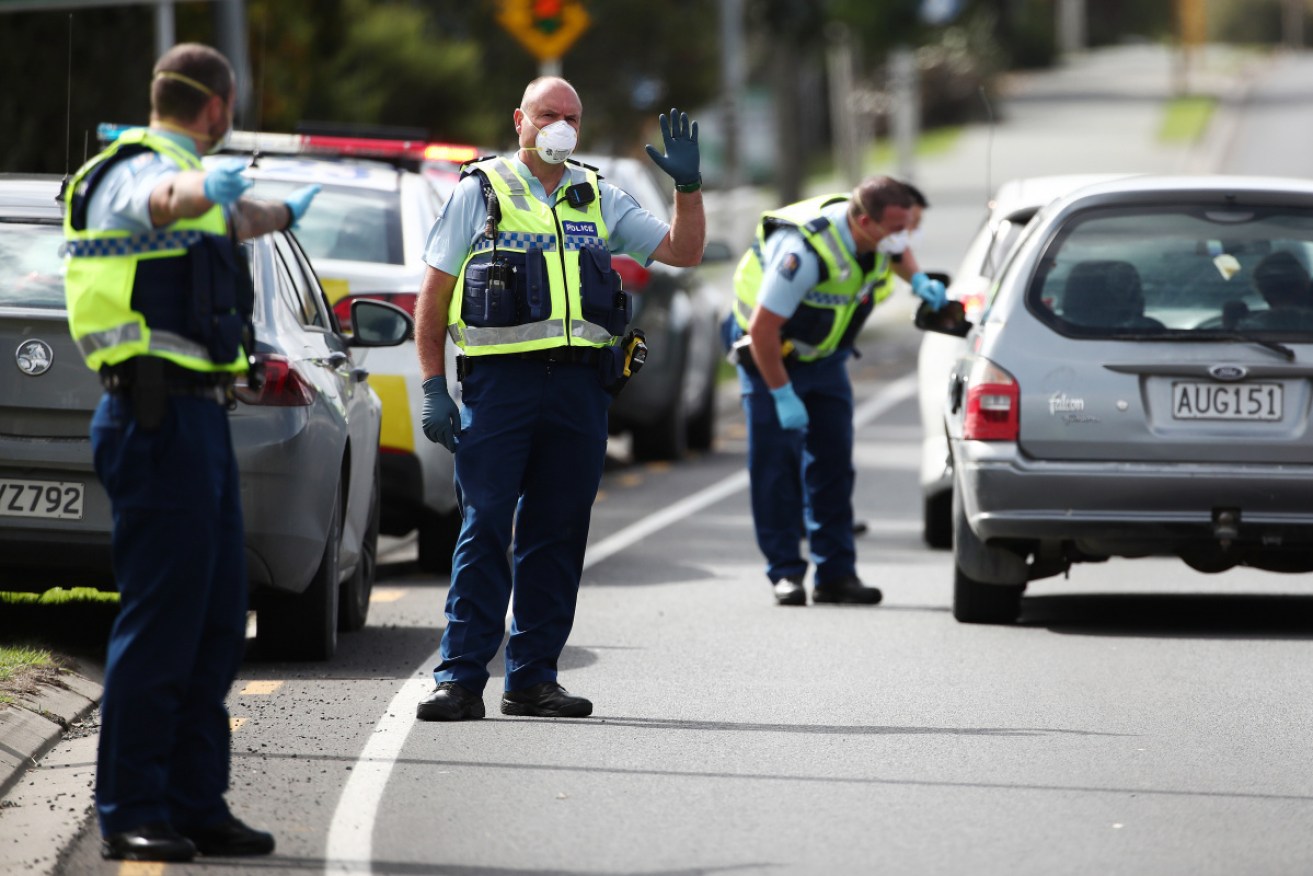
point(716, 251)
point(951, 319)
point(379, 324)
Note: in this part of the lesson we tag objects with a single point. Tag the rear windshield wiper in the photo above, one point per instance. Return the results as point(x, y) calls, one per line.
point(1280, 349)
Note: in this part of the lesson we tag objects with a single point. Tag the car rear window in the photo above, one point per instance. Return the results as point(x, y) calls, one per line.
point(31, 265)
point(1184, 269)
point(352, 224)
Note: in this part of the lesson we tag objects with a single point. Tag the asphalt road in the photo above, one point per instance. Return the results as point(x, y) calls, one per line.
point(1141, 719)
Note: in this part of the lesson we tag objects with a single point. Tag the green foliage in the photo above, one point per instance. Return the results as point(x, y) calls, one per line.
point(1186, 119)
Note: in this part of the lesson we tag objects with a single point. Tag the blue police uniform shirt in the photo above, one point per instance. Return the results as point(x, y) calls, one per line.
point(791, 268)
point(121, 201)
point(631, 229)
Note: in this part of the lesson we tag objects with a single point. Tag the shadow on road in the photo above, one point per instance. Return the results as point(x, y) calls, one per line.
point(1175, 615)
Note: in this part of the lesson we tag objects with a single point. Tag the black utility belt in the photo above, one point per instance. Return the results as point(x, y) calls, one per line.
point(173, 379)
point(552, 355)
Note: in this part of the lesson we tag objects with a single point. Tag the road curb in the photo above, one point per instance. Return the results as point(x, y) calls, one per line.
point(31, 726)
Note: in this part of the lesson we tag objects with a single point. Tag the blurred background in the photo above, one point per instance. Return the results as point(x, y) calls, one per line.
point(783, 90)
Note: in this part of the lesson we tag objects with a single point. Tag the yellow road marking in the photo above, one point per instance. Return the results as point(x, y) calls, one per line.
point(630, 479)
point(235, 723)
point(658, 466)
point(386, 594)
point(259, 688)
point(141, 868)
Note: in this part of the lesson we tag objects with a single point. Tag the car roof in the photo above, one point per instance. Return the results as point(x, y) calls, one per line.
point(30, 195)
point(1140, 186)
point(1031, 193)
point(349, 172)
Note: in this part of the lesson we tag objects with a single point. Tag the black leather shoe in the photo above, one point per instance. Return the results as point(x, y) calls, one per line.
point(789, 591)
point(229, 839)
point(450, 702)
point(546, 700)
point(849, 590)
point(150, 842)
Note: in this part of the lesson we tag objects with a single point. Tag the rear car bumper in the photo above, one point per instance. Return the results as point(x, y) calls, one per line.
point(1008, 496)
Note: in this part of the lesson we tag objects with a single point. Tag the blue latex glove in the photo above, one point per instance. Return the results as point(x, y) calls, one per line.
point(931, 291)
point(441, 419)
point(681, 158)
point(789, 408)
point(225, 183)
point(299, 201)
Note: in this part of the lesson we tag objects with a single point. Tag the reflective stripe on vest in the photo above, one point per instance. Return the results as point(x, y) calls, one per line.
point(556, 239)
point(102, 272)
point(840, 292)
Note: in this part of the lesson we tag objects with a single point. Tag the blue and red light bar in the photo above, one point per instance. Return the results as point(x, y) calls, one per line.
point(320, 144)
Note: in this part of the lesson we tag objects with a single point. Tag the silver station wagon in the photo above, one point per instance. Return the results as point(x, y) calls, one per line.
point(306, 440)
point(1140, 384)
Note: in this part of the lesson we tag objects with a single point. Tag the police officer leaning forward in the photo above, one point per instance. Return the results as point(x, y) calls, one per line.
point(536, 311)
point(160, 303)
point(803, 291)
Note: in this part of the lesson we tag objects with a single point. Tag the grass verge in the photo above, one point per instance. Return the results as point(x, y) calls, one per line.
point(1186, 119)
point(22, 669)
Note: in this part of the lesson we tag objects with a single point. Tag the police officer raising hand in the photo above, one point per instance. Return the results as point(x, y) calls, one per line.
point(520, 279)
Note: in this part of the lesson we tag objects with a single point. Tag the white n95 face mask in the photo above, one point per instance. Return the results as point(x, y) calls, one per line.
point(556, 142)
point(893, 244)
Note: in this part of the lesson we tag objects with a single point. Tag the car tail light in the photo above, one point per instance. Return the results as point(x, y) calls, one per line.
point(283, 385)
point(993, 399)
point(635, 276)
point(405, 300)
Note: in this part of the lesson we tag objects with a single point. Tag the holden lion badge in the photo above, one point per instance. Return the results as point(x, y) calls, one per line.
point(33, 357)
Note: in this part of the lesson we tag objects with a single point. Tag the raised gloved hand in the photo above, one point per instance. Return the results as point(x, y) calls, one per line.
point(930, 291)
point(441, 419)
point(789, 408)
point(225, 183)
point(299, 201)
point(681, 158)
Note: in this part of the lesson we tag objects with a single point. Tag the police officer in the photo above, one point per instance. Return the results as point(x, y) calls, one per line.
point(520, 277)
point(802, 292)
point(160, 304)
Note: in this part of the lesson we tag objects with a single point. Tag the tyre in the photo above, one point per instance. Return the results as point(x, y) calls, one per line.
point(976, 601)
point(937, 520)
point(353, 598)
point(437, 541)
point(702, 422)
point(303, 626)
point(666, 437)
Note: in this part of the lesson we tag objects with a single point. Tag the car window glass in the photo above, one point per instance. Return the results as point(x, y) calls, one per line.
point(1190, 268)
point(297, 256)
point(31, 265)
point(294, 289)
point(343, 222)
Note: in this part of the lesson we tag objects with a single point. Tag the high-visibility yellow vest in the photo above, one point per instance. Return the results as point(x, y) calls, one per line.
point(820, 324)
point(547, 282)
point(133, 294)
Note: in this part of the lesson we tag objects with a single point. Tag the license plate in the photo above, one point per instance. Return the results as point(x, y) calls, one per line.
point(60, 500)
point(1226, 401)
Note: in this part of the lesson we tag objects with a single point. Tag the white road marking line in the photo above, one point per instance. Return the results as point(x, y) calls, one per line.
point(351, 832)
point(259, 688)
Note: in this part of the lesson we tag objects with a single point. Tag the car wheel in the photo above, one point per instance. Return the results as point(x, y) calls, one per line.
point(937, 519)
point(353, 601)
point(978, 602)
point(303, 626)
point(666, 437)
point(437, 541)
point(702, 422)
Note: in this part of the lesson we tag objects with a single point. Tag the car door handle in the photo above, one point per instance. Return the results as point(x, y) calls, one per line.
point(359, 375)
point(337, 359)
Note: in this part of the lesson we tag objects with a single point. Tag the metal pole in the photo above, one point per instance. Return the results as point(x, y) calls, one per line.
point(549, 67)
point(166, 33)
point(1071, 26)
point(907, 109)
point(843, 125)
point(230, 28)
point(733, 75)
point(1292, 24)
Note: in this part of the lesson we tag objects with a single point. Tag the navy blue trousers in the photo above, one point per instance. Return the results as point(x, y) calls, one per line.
point(531, 451)
point(177, 642)
point(802, 480)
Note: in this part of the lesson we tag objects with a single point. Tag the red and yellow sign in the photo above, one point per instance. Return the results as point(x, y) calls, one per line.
point(547, 28)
